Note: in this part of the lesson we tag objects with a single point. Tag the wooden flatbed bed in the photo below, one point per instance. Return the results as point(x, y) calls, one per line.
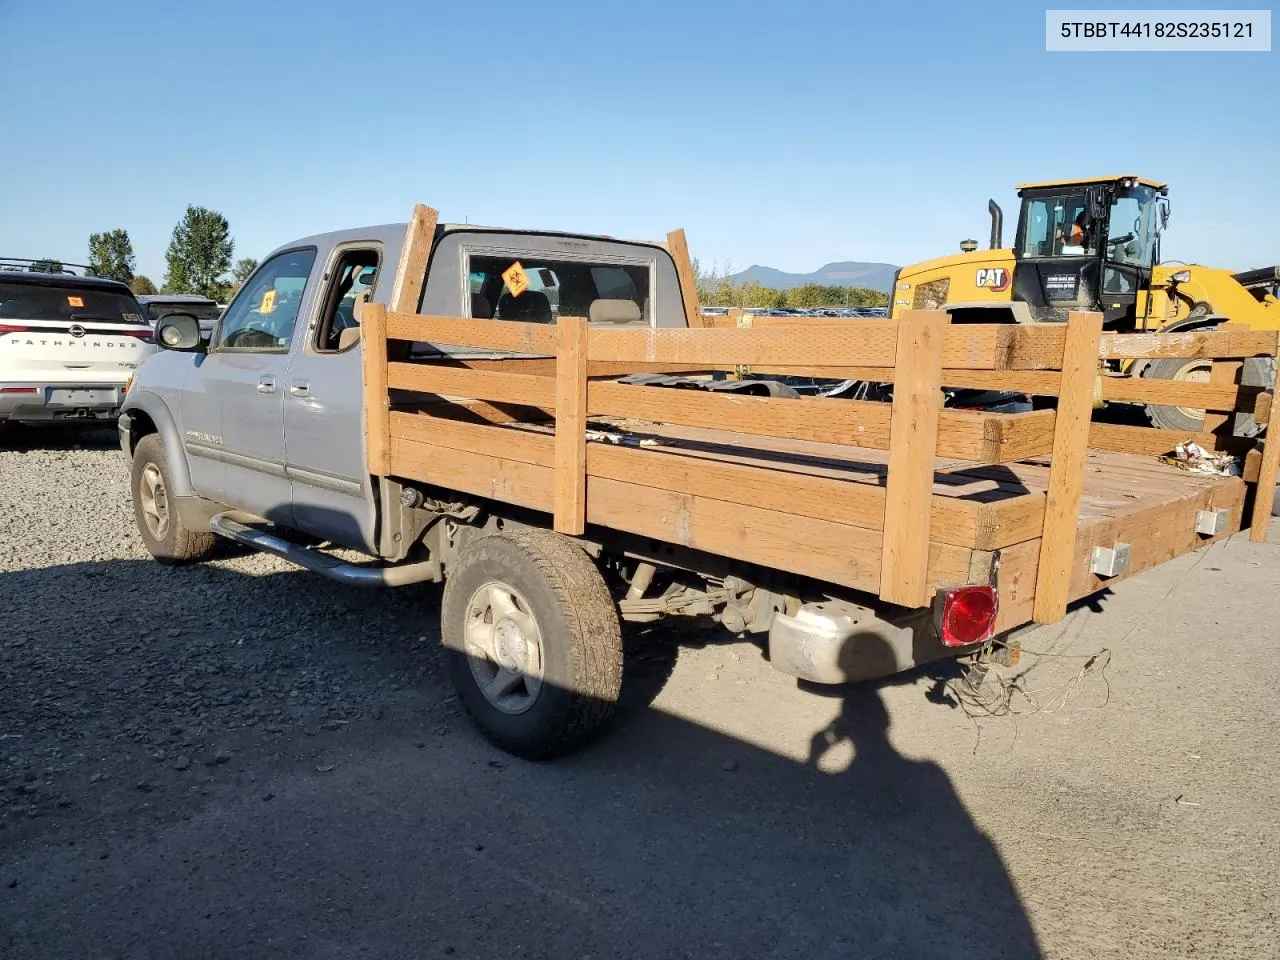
point(893, 500)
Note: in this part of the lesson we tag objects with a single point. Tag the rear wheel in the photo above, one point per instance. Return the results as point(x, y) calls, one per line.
point(159, 520)
point(534, 645)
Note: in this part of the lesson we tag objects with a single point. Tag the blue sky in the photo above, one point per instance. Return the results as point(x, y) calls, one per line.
point(782, 134)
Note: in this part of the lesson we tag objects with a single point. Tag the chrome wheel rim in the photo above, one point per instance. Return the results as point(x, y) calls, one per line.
point(503, 646)
point(154, 501)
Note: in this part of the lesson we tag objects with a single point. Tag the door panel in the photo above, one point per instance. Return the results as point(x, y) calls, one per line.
point(324, 409)
point(244, 379)
point(248, 389)
point(324, 420)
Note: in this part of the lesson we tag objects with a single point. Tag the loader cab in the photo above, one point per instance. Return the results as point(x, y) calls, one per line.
point(1088, 245)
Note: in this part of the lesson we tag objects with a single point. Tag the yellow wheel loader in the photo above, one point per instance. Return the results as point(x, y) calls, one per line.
point(1094, 244)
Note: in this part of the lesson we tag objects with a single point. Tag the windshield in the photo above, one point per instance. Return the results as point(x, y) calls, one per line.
point(1131, 238)
point(32, 301)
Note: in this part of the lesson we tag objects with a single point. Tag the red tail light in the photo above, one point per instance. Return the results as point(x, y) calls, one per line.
point(19, 389)
point(10, 328)
point(147, 335)
point(968, 615)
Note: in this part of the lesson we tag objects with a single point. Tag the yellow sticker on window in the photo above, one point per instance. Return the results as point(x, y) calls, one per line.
point(75, 301)
point(268, 301)
point(516, 279)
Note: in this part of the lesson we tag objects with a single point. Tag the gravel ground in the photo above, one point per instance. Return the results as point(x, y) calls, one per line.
point(239, 760)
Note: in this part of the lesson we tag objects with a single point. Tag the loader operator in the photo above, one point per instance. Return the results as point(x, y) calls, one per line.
point(1077, 237)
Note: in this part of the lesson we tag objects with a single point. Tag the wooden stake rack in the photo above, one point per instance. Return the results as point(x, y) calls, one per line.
point(894, 499)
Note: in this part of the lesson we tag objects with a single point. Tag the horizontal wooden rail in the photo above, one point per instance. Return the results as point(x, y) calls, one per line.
point(869, 343)
point(984, 525)
point(1181, 393)
point(1122, 438)
point(496, 387)
point(511, 335)
point(1206, 345)
point(962, 434)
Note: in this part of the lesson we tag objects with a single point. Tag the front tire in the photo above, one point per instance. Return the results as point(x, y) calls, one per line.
point(533, 641)
point(159, 520)
point(1257, 372)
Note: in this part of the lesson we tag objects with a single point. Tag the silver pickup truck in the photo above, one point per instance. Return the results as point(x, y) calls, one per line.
point(257, 432)
point(270, 433)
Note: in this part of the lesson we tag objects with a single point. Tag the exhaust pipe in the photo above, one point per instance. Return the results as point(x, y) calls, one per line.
point(997, 224)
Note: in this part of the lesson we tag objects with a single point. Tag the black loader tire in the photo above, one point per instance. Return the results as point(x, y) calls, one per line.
point(175, 543)
point(1257, 372)
point(577, 620)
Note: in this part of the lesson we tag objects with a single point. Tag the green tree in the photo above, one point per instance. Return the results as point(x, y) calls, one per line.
point(111, 255)
point(47, 265)
point(240, 272)
point(199, 254)
point(141, 286)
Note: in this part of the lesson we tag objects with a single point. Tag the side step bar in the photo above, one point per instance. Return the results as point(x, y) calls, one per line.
point(245, 529)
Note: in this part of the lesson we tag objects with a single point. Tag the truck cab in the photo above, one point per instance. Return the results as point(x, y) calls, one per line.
point(265, 414)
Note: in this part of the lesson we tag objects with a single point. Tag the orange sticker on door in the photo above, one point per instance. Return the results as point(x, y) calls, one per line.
point(268, 301)
point(75, 301)
point(516, 279)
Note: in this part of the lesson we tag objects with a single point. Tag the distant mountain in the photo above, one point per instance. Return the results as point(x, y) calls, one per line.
point(850, 273)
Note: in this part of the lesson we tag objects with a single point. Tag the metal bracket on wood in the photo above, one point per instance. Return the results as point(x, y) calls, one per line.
point(1210, 523)
point(1110, 561)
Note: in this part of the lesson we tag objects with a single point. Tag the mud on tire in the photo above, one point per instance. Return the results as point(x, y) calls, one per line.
point(575, 620)
point(159, 520)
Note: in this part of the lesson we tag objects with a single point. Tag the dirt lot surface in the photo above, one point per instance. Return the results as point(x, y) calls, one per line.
point(238, 760)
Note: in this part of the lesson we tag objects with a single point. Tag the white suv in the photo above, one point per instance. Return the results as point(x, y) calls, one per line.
point(68, 345)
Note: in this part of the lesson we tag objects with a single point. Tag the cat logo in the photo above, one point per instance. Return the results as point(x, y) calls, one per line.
point(994, 278)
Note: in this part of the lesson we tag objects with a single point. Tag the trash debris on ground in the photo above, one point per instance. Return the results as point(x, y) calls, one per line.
point(1195, 458)
point(608, 436)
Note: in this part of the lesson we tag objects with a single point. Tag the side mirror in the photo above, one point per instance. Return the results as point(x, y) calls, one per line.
point(179, 331)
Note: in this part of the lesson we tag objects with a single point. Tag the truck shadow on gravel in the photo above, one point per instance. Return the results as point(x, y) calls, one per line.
point(279, 768)
point(25, 438)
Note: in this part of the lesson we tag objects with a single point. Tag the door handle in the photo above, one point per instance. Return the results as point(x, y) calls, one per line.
point(267, 384)
point(300, 388)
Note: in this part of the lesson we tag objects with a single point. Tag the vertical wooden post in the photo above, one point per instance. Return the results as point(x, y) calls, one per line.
point(571, 426)
point(1265, 492)
point(411, 272)
point(1225, 373)
point(377, 408)
point(913, 442)
point(1066, 471)
point(679, 251)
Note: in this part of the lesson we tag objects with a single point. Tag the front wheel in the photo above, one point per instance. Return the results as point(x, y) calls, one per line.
point(533, 641)
point(1257, 372)
point(158, 517)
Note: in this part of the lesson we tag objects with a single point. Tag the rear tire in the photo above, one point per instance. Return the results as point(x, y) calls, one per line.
point(1257, 372)
point(158, 517)
point(527, 617)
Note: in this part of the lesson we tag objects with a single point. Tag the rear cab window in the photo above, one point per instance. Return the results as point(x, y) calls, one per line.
point(539, 289)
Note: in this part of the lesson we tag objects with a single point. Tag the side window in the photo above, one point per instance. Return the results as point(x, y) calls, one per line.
point(262, 316)
point(1058, 227)
point(1039, 222)
point(350, 281)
